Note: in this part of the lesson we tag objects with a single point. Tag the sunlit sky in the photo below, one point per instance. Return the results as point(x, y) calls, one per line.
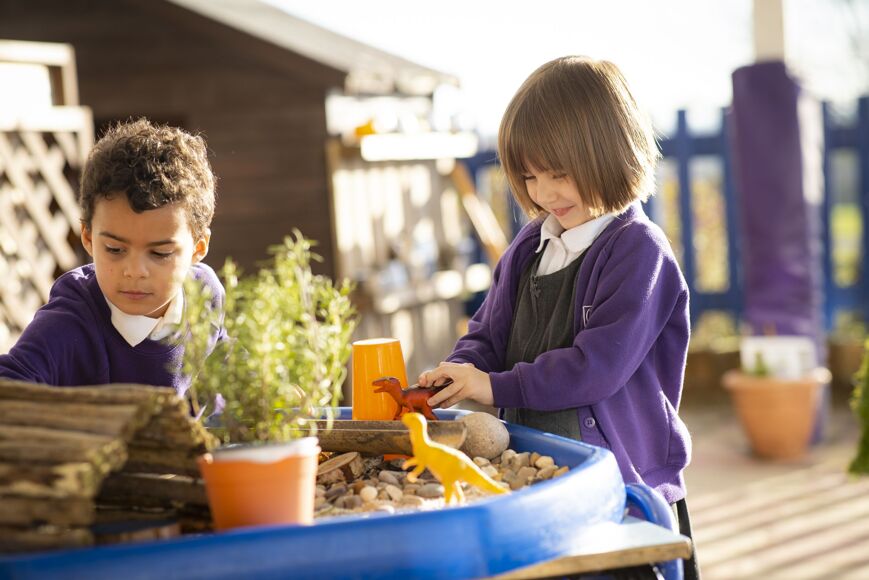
point(675, 53)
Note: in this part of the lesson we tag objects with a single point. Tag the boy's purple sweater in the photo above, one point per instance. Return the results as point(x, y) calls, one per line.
point(624, 371)
point(72, 342)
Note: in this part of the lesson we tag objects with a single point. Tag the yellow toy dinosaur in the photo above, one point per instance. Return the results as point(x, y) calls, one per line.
point(449, 465)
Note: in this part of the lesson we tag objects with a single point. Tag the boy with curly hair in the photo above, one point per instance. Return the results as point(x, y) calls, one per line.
point(147, 200)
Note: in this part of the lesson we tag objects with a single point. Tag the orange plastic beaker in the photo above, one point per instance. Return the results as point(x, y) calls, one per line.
point(374, 358)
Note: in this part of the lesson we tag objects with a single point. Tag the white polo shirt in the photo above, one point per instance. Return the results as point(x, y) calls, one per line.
point(565, 246)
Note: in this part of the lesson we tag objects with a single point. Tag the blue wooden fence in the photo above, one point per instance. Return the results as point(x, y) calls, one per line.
point(683, 146)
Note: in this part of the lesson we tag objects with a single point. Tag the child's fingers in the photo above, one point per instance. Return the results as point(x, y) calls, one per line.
point(448, 392)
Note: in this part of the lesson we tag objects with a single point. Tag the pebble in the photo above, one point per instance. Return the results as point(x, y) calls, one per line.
point(431, 490)
point(386, 490)
point(412, 501)
point(336, 490)
point(526, 474)
point(368, 493)
point(389, 477)
point(546, 472)
point(520, 460)
point(395, 494)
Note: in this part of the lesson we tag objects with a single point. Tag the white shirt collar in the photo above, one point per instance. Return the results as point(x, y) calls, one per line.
point(576, 239)
point(136, 328)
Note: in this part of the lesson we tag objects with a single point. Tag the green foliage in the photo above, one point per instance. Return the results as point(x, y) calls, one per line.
point(860, 406)
point(760, 368)
point(289, 343)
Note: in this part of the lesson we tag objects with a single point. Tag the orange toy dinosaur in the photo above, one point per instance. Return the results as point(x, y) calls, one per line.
point(450, 466)
point(413, 399)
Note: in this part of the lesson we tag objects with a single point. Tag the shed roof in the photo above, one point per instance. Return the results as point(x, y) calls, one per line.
point(368, 69)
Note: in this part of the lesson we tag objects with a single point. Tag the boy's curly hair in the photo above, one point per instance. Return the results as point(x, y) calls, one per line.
point(154, 166)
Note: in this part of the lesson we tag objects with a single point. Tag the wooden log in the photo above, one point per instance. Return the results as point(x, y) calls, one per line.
point(122, 532)
point(380, 437)
point(113, 420)
point(46, 537)
point(104, 457)
point(46, 436)
point(49, 481)
point(33, 512)
point(162, 460)
point(115, 394)
point(344, 467)
point(140, 489)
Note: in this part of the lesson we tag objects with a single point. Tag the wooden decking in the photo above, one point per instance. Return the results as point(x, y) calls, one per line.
point(758, 519)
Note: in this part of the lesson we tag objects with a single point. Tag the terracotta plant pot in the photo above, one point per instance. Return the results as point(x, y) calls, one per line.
point(261, 484)
point(778, 414)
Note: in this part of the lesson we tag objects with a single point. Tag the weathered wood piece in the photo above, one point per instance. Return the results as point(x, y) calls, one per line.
point(58, 445)
point(344, 467)
point(380, 437)
point(152, 490)
point(27, 511)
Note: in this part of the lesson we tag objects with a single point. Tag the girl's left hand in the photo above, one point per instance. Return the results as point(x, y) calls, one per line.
point(468, 383)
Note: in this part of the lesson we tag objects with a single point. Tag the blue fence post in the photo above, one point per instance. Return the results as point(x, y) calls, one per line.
point(683, 160)
point(863, 191)
point(734, 245)
point(826, 224)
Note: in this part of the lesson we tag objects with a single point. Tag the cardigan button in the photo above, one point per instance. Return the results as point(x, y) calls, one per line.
point(590, 422)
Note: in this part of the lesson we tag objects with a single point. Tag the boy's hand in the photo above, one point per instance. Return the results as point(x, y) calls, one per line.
point(468, 383)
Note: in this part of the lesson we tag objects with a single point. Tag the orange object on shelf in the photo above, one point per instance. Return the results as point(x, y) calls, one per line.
point(372, 359)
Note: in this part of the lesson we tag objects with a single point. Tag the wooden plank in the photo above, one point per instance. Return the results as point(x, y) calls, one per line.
point(162, 460)
point(29, 511)
point(14, 539)
point(142, 490)
point(114, 394)
point(107, 457)
point(67, 480)
point(379, 437)
point(608, 546)
point(112, 420)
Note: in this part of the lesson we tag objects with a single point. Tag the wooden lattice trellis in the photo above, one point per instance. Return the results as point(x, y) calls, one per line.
point(42, 151)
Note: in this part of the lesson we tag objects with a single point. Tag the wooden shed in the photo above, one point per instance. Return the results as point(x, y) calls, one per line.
point(252, 78)
point(261, 85)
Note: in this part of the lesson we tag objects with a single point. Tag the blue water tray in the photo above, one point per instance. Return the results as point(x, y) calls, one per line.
point(488, 537)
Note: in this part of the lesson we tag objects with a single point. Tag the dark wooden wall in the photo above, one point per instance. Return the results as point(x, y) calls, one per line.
point(261, 108)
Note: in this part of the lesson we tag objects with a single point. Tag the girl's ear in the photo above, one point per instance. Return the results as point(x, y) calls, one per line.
point(200, 250)
point(87, 240)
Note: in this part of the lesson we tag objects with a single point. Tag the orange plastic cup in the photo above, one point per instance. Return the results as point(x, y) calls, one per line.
point(372, 359)
point(250, 493)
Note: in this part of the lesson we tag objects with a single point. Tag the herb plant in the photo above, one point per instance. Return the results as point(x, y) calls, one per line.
point(286, 357)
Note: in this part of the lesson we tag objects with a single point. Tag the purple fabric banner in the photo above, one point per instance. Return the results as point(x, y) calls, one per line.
point(781, 256)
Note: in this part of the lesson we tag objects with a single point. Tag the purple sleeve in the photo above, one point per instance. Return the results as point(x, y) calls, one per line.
point(640, 291)
point(45, 352)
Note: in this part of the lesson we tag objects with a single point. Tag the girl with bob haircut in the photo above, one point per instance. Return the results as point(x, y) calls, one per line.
point(584, 332)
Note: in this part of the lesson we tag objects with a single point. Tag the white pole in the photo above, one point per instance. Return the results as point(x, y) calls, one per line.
point(769, 37)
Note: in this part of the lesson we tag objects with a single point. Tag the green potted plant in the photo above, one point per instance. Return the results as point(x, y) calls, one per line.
point(281, 369)
point(777, 394)
point(860, 406)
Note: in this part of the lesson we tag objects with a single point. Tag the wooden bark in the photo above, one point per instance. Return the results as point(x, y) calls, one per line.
point(113, 420)
point(136, 531)
point(162, 460)
point(379, 437)
point(14, 539)
point(130, 489)
point(344, 467)
point(105, 457)
point(116, 394)
point(68, 480)
point(30, 511)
